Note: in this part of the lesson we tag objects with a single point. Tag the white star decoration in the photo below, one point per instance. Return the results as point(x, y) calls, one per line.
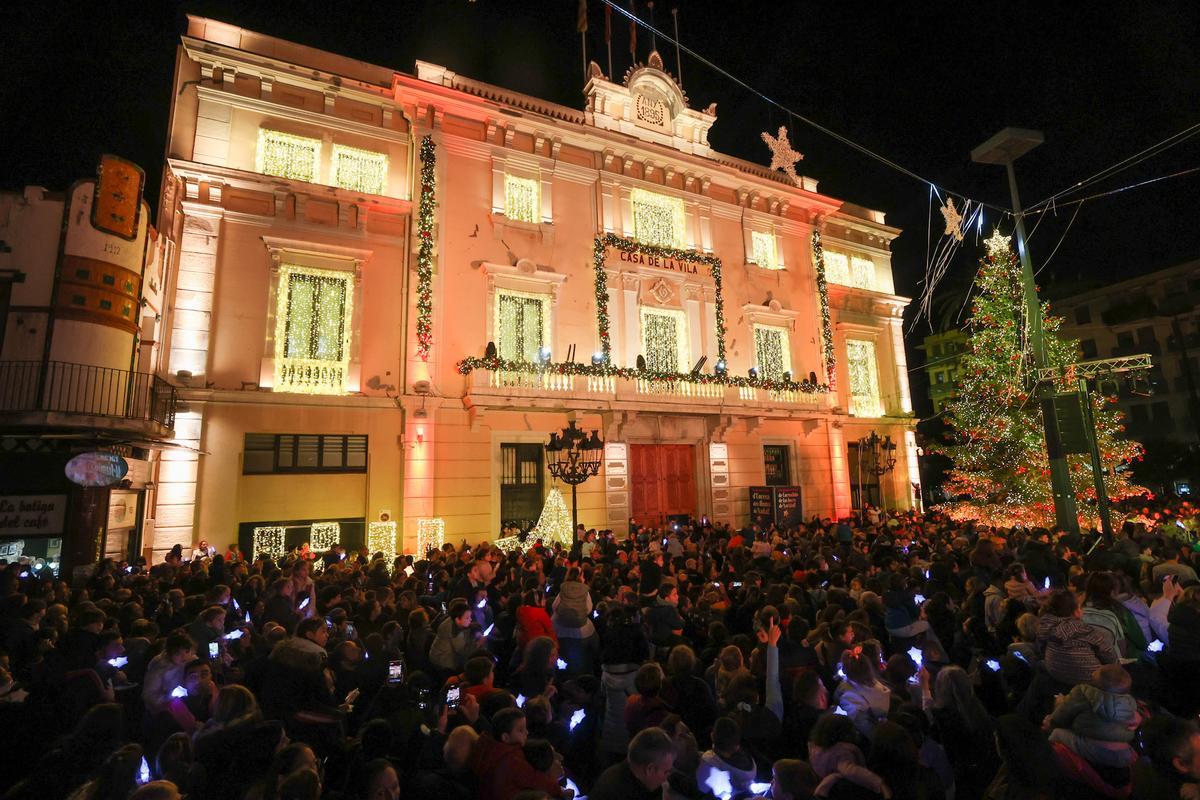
point(953, 219)
point(782, 155)
point(997, 244)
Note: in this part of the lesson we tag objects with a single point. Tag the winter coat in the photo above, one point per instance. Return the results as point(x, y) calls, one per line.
point(617, 686)
point(866, 706)
point(532, 622)
point(993, 606)
point(842, 760)
point(1072, 649)
point(1108, 622)
point(451, 647)
point(1184, 631)
point(572, 611)
point(1094, 713)
point(1140, 611)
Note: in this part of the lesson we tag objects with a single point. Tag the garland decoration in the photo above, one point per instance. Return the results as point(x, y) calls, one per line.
point(818, 255)
point(425, 249)
point(606, 367)
point(655, 251)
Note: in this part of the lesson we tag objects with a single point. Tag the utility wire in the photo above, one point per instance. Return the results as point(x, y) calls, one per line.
point(773, 102)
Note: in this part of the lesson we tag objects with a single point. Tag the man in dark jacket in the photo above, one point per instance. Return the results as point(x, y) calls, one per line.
point(663, 619)
point(641, 776)
point(1171, 761)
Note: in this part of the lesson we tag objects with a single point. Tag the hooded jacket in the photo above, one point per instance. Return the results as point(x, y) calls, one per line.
point(451, 647)
point(1093, 713)
point(1072, 650)
point(572, 611)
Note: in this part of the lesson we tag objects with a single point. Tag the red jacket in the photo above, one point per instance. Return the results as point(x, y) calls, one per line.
point(532, 622)
point(503, 771)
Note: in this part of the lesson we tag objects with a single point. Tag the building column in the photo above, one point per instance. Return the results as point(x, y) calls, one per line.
point(839, 470)
point(900, 365)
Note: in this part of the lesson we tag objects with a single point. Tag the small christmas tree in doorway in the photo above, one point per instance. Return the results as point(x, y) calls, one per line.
point(1001, 474)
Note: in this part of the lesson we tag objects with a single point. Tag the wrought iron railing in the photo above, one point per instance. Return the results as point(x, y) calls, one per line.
point(62, 387)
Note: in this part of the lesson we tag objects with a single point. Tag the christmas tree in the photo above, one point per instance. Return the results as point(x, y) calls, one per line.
point(1001, 473)
point(554, 525)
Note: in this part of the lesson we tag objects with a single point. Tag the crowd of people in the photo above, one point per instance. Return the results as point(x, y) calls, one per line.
point(881, 656)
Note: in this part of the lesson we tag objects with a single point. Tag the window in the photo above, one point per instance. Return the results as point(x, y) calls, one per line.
point(940, 377)
point(776, 458)
point(286, 156)
point(522, 323)
point(359, 170)
point(1162, 415)
point(864, 378)
point(312, 335)
point(1088, 346)
point(664, 340)
point(657, 218)
point(771, 352)
point(1083, 315)
point(521, 476)
point(849, 270)
point(762, 245)
point(276, 453)
point(522, 199)
point(1125, 339)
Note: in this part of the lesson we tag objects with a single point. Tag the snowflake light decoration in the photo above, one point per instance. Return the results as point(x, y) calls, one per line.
point(953, 219)
point(782, 155)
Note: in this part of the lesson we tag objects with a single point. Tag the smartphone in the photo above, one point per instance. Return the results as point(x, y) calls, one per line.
point(396, 671)
point(304, 602)
point(214, 650)
point(453, 696)
point(350, 632)
point(737, 584)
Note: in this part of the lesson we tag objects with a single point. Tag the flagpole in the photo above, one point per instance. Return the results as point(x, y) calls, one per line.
point(608, 38)
point(583, 41)
point(653, 35)
point(678, 61)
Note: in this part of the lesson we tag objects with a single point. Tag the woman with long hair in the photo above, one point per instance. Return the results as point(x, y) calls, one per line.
point(535, 674)
point(965, 729)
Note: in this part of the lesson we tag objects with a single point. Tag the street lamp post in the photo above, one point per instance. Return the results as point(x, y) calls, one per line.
point(880, 459)
point(573, 457)
point(1004, 148)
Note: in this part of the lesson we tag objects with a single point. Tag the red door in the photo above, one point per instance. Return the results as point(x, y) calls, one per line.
point(662, 481)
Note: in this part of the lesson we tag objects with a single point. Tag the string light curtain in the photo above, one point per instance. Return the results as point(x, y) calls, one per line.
point(658, 219)
point(324, 535)
point(762, 247)
point(864, 378)
point(771, 352)
point(431, 535)
point(521, 325)
point(312, 336)
point(522, 201)
point(285, 155)
point(359, 170)
point(862, 272)
point(381, 538)
point(847, 270)
point(664, 341)
point(269, 540)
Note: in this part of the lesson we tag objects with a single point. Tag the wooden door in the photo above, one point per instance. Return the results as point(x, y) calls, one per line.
point(662, 482)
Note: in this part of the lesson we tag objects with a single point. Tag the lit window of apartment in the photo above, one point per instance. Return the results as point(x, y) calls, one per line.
point(312, 337)
point(864, 378)
point(522, 200)
point(658, 219)
point(359, 170)
point(522, 325)
point(763, 246)
point(285, 155)
point(665, 340)
point(771, 352)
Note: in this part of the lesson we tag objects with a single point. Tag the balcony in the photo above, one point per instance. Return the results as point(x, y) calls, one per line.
point(515, 389)
point(61, 394)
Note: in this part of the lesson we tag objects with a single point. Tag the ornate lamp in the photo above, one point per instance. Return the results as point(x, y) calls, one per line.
point(572, 456)
point(876, 455)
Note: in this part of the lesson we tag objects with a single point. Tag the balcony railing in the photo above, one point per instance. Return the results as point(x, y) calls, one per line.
point(515, 383)
point(65, 388)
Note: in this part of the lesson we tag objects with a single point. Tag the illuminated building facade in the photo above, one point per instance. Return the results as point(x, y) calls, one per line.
point(393, 287)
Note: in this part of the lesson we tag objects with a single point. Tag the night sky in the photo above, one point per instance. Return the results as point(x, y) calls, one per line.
point(921, 83)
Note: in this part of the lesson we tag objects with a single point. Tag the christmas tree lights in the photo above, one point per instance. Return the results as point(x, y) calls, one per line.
point(827, 350)
point(554, 524)
point(324, 535)
point(269, 540)
point(431, 535)
point(425, 248)
point(287, 156)
point(1001, 475)
point(522, 201)
point(359, 170)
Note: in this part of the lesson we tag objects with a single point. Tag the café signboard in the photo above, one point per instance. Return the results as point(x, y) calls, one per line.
point(32, 514)
point(97, 469)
